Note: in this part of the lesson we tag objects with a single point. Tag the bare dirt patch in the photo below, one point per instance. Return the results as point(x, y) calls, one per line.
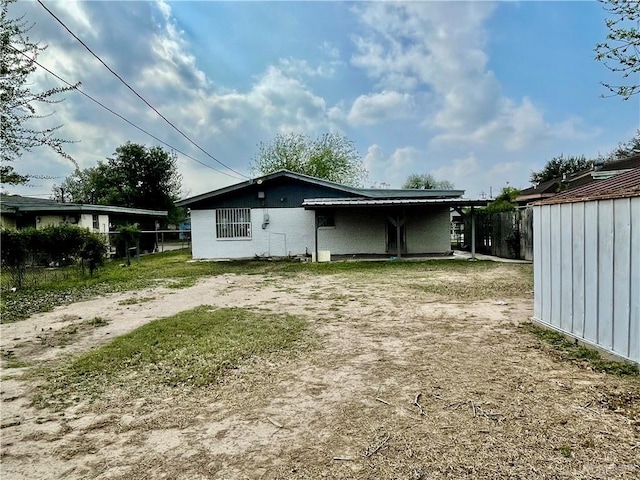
point(417, 376)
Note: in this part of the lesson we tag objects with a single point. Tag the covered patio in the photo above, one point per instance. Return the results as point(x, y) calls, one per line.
point(398, 219)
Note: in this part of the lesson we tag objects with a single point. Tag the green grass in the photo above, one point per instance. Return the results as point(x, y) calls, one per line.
point(190, 349)
point(66, 285)
point(572, 351)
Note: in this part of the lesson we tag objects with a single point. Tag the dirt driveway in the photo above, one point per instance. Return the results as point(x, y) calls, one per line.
point(405, 383)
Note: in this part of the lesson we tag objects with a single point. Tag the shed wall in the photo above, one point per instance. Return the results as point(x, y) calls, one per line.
point(587, 272)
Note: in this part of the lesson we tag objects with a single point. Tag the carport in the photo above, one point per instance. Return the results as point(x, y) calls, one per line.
point(395, 211)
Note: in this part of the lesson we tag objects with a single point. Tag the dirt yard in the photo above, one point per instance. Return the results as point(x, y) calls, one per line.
point(404, 384)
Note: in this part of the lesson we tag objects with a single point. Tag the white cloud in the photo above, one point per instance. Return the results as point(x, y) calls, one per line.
point(458, 170)
point(380, 107)
point(441, 47)
point(75, 10)
point(299, 68)
point(394, 169)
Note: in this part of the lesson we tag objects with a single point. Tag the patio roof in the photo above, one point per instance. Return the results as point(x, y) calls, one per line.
point(318, 203)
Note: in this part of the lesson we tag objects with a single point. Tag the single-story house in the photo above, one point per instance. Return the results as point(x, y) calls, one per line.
point(290, 214)
point(18, 212)
point(587, 264)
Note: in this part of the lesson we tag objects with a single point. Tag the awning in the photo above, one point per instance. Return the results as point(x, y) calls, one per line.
point(319, 203)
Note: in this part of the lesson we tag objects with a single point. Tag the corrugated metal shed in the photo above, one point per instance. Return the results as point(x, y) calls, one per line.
point(587, 264)
point(623, 185)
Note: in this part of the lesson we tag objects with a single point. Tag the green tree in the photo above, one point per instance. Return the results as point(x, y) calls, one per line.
point(626, 149)
point(136, 176)
point(560, 166)
point(426, 182)
point(331, 156)
point(505, 201)
point(620, 52)
point(18, 112)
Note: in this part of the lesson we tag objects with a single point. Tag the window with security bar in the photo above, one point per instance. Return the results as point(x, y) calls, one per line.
point(233, 223)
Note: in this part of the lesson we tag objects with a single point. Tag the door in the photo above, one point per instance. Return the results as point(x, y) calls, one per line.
point(396, 233)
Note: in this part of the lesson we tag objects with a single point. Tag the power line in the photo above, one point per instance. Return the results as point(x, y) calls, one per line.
point(75, 87)
point(136, 93)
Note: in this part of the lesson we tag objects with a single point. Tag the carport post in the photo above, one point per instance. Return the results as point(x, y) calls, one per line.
point(398, 236)
point(315, 215)
point(473, 234)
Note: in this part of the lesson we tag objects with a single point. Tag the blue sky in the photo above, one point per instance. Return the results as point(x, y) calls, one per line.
point(477, 93)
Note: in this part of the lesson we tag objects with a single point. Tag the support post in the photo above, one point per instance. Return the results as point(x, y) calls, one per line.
point(315, 214)
point(473, 234)
point(398, 236)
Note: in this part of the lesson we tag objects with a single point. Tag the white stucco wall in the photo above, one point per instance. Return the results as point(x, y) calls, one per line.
point(43, 221)
point(356, 231)
point(290, 231)
point(296, 224)
point(428, 230)
point(86, 221)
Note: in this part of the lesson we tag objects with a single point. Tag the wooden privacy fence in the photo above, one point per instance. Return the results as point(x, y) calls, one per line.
point(503, 234)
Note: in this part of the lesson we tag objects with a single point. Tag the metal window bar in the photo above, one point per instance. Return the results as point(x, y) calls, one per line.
point(233, 223)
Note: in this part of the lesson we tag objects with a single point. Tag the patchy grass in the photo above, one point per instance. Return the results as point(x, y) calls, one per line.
point(135, 300)
point(572, 351)
point(175, 270)
point(190, 349)
point(69, 334)
point(9, 360)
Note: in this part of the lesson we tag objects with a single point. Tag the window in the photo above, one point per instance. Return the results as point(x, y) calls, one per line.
point(233, 223)
point(96, 222)
point(326, 219)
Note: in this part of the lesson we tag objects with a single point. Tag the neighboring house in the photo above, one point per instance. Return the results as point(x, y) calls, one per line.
point(551, 188)
point(18, 212)
point(185, 229)
point(587, 264)
point(286, 213)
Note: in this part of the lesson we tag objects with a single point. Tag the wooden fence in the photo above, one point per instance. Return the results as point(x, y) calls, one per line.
point(504, 234)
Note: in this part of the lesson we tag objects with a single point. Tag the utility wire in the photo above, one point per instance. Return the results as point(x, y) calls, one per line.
point(137, 94)
point(75, 87)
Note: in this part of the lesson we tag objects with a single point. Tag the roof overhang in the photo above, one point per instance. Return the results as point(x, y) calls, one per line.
point(321, 203)
point(76, 208)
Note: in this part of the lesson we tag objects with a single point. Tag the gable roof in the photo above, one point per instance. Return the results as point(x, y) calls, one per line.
point(378, 193)
point(18, 203)
point(623, 185)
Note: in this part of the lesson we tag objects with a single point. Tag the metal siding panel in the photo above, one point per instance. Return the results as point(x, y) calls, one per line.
point(605, 273)
point(566, 271)
point(634, 282)
point(556, 265)
point(546, 264)
point(591, 272)
point(578, 274)
point(622, 272)
point(537, 263)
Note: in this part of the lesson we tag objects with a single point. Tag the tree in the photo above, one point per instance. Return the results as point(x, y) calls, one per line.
point(137, 177)
point(331, 156)
point(626, 149)
point(18, 55)
point(560, 166)
point(505, 201)
point(620, 52)
point(426, 182)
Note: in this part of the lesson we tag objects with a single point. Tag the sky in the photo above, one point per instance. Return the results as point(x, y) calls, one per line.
point(476, 93)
